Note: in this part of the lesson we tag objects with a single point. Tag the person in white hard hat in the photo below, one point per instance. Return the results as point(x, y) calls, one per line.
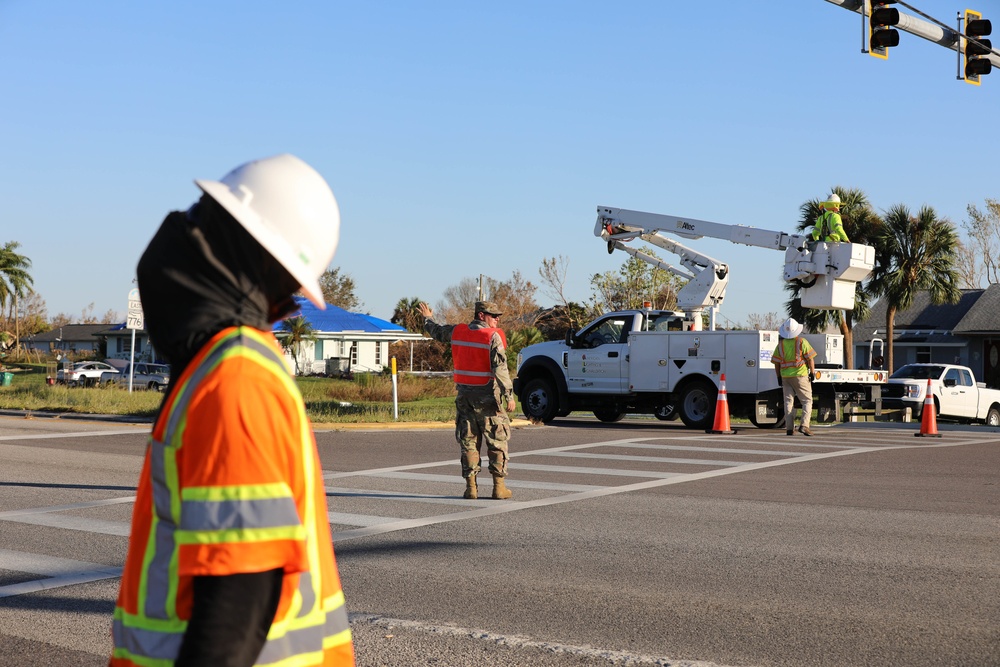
point(795, 366)
point(230, 558)
point(829, 227)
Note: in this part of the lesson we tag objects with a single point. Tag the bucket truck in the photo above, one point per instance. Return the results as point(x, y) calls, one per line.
point(664, 363)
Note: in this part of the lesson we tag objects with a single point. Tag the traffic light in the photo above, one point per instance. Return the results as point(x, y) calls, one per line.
point(881, 34)
point(977, 62)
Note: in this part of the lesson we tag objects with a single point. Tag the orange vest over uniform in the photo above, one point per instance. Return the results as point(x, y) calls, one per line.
point(232, 484)
point(470, 352)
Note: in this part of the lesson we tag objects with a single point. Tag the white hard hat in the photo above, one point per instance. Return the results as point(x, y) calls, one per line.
point(790, 329)
point(833, 199)
point(289, 209)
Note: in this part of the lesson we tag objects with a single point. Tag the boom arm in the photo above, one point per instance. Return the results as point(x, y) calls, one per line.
point(826, 272)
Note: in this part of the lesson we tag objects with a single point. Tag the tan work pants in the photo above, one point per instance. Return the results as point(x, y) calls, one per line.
point(792, 387)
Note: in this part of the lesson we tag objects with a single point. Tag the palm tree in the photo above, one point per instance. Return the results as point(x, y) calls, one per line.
point(916, 254)
point(407, 315)
point(295, 331)
point(862, 225)
point(15, 281)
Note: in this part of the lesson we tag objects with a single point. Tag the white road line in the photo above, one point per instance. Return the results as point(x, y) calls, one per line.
point(518, 641)
point(80, 434)
point(648, 459)
point(720, 450)
point(455, 479)
point(580, 470)
point(346, 519)
point(63, 508)
point(514, 506)
point(68, 522)
point(401, 496)
point(61, 572)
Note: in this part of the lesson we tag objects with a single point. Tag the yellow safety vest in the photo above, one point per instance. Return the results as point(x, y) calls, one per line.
point(792, 358)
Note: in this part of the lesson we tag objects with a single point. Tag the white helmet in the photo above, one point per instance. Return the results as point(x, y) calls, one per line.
point(790, 329)
point(289, 209)
point(833, 201)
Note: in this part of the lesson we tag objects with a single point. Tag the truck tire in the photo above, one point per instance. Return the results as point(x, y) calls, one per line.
point(993, 417)
point(539, 401)
point(609, 415)
point(697, 406)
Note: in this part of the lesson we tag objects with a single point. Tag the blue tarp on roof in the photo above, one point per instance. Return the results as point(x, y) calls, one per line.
point(335, 319)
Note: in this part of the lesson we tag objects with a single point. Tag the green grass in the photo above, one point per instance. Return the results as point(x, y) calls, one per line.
point(366, 399)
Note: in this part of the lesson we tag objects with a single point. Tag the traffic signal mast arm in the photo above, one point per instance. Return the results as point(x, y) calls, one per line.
point(826, 272)
point(916, 26)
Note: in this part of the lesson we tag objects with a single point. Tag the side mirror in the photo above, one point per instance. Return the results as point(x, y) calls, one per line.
point(950, 382)
point(569, 338)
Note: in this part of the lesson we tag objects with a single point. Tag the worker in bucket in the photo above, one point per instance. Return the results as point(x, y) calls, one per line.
point(485, 392)
point(829, 227)
point(795, 366)
point(230, 559)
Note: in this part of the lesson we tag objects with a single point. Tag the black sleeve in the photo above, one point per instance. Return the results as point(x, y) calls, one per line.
point(230, 618)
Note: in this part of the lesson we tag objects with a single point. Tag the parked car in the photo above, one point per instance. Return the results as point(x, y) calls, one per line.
point(86, 374)
point(147, 376)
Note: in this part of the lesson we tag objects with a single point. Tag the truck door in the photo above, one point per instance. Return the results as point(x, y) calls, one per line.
point(596, 362)
point(959, 396)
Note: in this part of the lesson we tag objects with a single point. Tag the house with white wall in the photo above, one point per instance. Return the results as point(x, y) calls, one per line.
point(345, 342)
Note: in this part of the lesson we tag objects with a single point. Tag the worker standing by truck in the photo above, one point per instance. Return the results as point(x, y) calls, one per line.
point(485, 392)
point(795, 366)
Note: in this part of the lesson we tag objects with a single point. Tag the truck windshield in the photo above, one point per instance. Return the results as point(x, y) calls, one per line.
point(914, 372)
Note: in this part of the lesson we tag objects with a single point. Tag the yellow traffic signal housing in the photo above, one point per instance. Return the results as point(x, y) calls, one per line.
point(977, 62)
point(881, 34)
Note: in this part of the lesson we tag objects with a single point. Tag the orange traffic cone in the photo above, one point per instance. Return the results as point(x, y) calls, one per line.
point(928, 418)
point(721, 424)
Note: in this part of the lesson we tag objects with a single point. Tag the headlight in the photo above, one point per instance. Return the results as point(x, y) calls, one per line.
point(913, 391)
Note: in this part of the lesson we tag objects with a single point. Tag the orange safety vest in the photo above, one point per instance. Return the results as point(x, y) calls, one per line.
point(232, 484)
point(470, 352)
point(792, 361)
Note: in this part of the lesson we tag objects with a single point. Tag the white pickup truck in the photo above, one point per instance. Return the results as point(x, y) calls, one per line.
point(954, 390)
point(653, 362)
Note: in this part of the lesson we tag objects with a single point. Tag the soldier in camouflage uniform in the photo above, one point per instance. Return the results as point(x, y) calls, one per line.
point(485, 392)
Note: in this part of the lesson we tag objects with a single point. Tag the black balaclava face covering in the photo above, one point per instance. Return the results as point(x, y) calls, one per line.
point(202, 273)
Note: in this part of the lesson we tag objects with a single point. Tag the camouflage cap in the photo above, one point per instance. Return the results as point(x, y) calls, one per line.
point(489, 308)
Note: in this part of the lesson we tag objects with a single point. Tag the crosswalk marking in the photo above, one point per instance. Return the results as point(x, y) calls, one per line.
point(59, 572)
point(352, 489)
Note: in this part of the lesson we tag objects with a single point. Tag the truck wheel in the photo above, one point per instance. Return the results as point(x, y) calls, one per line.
point(609, 415)
point(666, 412)
point(539, 401)
point(993, 417)
point(698, 404)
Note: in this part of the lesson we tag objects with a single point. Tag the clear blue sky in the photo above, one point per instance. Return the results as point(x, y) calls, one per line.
point(465, 137)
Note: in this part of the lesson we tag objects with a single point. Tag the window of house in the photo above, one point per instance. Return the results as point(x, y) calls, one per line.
point(318, 350)
point(378, 354)
point(354, 354)
point(923, 355)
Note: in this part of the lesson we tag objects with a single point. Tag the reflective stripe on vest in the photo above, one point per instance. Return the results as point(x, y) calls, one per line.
point(244, 514)
point(470, 352)
point(790, 359)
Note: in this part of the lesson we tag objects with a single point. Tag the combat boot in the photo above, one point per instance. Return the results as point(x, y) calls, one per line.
point(500, 490)
point(471, 490)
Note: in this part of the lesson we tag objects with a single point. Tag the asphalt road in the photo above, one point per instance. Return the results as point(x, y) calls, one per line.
point(637, 543)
